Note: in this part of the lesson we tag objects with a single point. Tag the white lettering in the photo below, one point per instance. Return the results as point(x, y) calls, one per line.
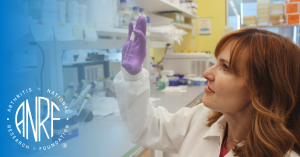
point(48, 114)
point(28, 113)
point(22, 121)
point(53, 104)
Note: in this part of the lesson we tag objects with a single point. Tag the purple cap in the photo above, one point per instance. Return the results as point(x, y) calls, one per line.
point(136, 8)
point(141, 9)
point(148, 19)
point(121, 1)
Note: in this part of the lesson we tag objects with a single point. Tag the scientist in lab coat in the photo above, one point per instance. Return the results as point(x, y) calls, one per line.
point(250, 107)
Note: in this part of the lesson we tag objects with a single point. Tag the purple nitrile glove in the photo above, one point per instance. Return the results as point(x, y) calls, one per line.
point(134, 52)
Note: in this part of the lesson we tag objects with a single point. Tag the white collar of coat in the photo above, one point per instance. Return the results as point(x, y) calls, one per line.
point(217, 130)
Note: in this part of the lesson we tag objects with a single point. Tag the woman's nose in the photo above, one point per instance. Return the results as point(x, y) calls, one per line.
point(208, 74)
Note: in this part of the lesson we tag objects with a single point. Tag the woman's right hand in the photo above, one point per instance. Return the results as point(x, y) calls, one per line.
point(134, 52)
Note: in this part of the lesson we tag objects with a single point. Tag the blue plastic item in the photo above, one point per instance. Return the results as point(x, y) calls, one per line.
point(183, 81)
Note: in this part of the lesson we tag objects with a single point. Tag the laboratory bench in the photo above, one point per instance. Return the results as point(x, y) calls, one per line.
point(109, 136)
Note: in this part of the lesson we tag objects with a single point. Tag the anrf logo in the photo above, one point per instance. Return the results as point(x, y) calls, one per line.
point(30, 119)
point(27, 118)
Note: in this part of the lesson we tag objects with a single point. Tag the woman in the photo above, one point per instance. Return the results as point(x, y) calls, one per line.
point(250, 107)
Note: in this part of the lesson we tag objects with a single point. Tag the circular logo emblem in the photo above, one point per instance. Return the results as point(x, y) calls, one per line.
point(37, 122)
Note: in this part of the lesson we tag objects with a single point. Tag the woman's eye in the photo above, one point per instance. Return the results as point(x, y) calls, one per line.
point(225, 67)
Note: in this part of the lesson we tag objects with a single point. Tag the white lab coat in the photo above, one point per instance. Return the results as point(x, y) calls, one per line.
point(184, 132)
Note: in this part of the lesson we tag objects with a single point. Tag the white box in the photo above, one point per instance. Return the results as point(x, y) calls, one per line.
point(184, 5)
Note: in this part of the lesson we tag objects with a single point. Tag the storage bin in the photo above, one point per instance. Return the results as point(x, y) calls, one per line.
point(292, 8)
point(292, 19)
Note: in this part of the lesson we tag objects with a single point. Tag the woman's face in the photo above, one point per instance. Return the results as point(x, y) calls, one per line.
point(225, 92)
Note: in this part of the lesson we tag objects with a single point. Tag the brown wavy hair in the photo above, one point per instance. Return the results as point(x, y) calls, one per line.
point(272, 67)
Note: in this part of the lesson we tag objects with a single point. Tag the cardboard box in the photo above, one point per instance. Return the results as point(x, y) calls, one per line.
point(291, 8)
point(292, 19)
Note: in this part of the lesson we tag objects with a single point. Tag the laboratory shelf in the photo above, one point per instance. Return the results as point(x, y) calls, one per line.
point(112, 32)
point(269, 26)
point(162, 6)
point(183, 26)
point(157, 44)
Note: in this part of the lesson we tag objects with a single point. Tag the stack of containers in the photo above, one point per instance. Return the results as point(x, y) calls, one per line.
point(263, 12)
point(61, 11)
point(82, 14)
point(72, 12)
point(190, 6)
point(277, 14)
point(49, 11)
point(176, 16)
point(249, 20)
point(292, 12)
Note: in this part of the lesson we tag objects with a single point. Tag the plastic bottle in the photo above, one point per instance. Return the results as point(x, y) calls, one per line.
point(135, 15)
point(148, 22)
point(164, 79)
point(82, 14)
point(61, 11)
point(142, 12)
point(35, 9)
point(154, 77)
point(123, 15)
point(73, 12)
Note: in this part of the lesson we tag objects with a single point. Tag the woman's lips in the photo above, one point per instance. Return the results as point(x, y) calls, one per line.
point(207, 89)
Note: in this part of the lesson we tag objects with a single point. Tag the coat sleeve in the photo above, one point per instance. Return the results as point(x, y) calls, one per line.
point(151, 127)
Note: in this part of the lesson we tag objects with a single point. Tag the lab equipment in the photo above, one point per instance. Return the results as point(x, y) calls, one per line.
point(61, 11)
point(49, 11)
point(173, 81)
point(76, 105)
point(148, 22)
point(85, 113)
point(123, 18)
point(164, 79)
point(154, 76)
point(199, 81)
point(73, 7)
point(142, 12)
point(88, 71)
point(188, 63)
point(135, 15)
point(134, 49)
point(94, 56)
point(82, 14)
point(182, 81)
point(69, 92)
point(160, 85)
point(78, 90)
